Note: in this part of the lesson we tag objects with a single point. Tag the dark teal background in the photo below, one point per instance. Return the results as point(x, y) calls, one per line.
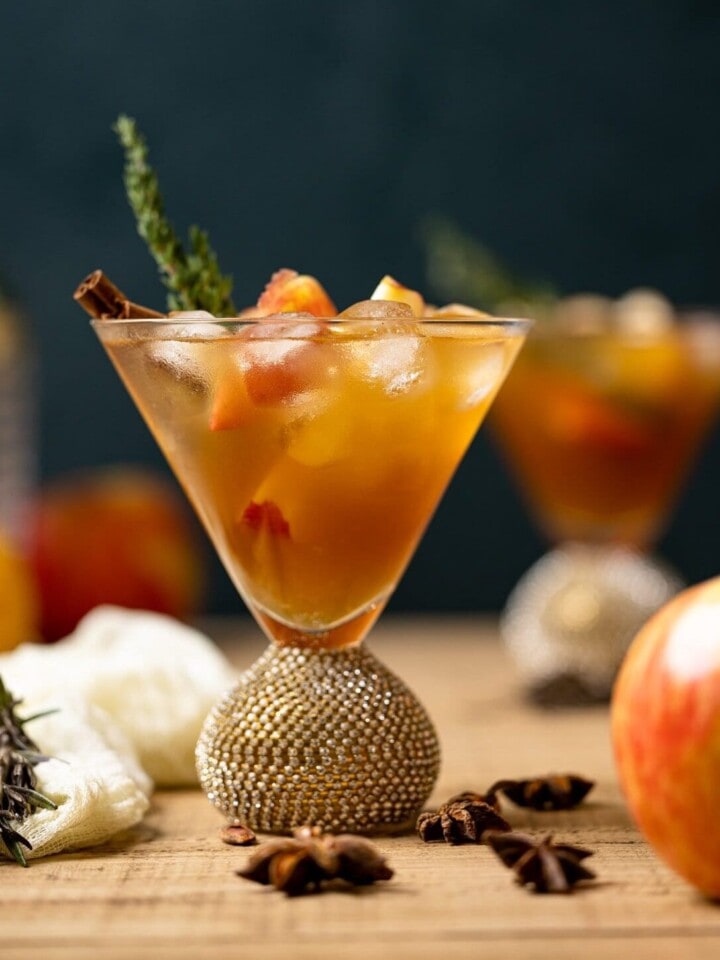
point(580, 141)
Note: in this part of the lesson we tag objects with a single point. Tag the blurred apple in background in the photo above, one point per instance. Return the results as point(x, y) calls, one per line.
point(116, 535)
point(18, 598)
point(666, 733)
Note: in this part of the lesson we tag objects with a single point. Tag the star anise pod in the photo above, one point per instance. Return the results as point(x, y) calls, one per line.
point(463, 819)
point(557, 791)
point(304, 861)
point(547, 866)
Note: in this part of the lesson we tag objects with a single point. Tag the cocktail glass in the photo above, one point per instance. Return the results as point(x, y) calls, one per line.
point(315, 452)
point(601, 426)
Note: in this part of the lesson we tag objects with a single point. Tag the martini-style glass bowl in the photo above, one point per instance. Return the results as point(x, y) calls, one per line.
point(601, 423)
point(315, 452)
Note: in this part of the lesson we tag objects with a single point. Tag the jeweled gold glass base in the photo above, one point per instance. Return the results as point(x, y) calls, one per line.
point(331, 738)
point(571, 618)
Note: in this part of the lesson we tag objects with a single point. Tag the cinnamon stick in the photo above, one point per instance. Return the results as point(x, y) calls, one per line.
point(99, 297)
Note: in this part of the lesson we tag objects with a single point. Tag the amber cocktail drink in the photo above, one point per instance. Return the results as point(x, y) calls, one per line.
point(602, 428)
point(314, 453)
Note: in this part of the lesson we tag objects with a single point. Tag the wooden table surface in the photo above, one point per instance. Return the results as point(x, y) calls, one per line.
point(168, 888)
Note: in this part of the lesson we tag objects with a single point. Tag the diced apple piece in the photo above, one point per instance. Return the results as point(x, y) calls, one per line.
point(276, 361)
point(271, 383)
point(379, 310)
point(182, 351)
point(266, 516)
point(231, 404)
point(597, 426)
point(282, 359)
point(291, 292)
point(240, 391)
point(390, 289)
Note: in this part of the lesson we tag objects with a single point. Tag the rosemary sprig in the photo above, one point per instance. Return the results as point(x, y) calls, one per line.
point(19, 756)
point(193, 279)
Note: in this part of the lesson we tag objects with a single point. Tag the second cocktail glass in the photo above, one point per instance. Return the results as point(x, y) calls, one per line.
point(315, 452)
point(601, 423)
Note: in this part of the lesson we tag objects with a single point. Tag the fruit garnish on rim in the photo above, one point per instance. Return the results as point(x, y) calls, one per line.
point(283, 358)
point(291, 292)
point(390, 289)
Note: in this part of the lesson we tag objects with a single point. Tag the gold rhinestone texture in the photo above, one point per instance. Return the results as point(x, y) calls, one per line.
point(331, 738)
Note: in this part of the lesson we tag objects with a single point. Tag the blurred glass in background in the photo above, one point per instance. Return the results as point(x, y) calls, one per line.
point(600, 423)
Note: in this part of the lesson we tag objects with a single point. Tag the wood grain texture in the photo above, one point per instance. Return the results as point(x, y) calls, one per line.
point(168, 889)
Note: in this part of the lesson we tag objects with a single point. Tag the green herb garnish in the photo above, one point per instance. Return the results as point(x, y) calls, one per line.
point(19, 756)
point(459, 267)
point(193, 279)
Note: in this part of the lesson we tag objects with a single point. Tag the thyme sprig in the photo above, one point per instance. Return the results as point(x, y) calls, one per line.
point(19, 755)
point(193, 278)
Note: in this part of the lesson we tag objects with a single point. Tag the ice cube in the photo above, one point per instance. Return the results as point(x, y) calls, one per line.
point(190, 315)
point(198, 329)
point(482, 370)
point(277, 338)
point(379, 310)
point(281, 360)
point(390, 289)
point(396, 359)
point(321, 432)
point(179, 352)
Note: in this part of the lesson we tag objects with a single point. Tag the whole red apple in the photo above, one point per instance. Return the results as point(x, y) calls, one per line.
point(116, 535)
point(666, 733)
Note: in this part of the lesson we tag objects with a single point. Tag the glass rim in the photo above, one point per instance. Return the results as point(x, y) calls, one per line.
point(519, 324)
point(685, 325)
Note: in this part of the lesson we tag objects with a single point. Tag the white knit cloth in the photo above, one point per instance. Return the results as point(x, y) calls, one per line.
point(132, 691)
point(94, 779)
point(156, 678)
